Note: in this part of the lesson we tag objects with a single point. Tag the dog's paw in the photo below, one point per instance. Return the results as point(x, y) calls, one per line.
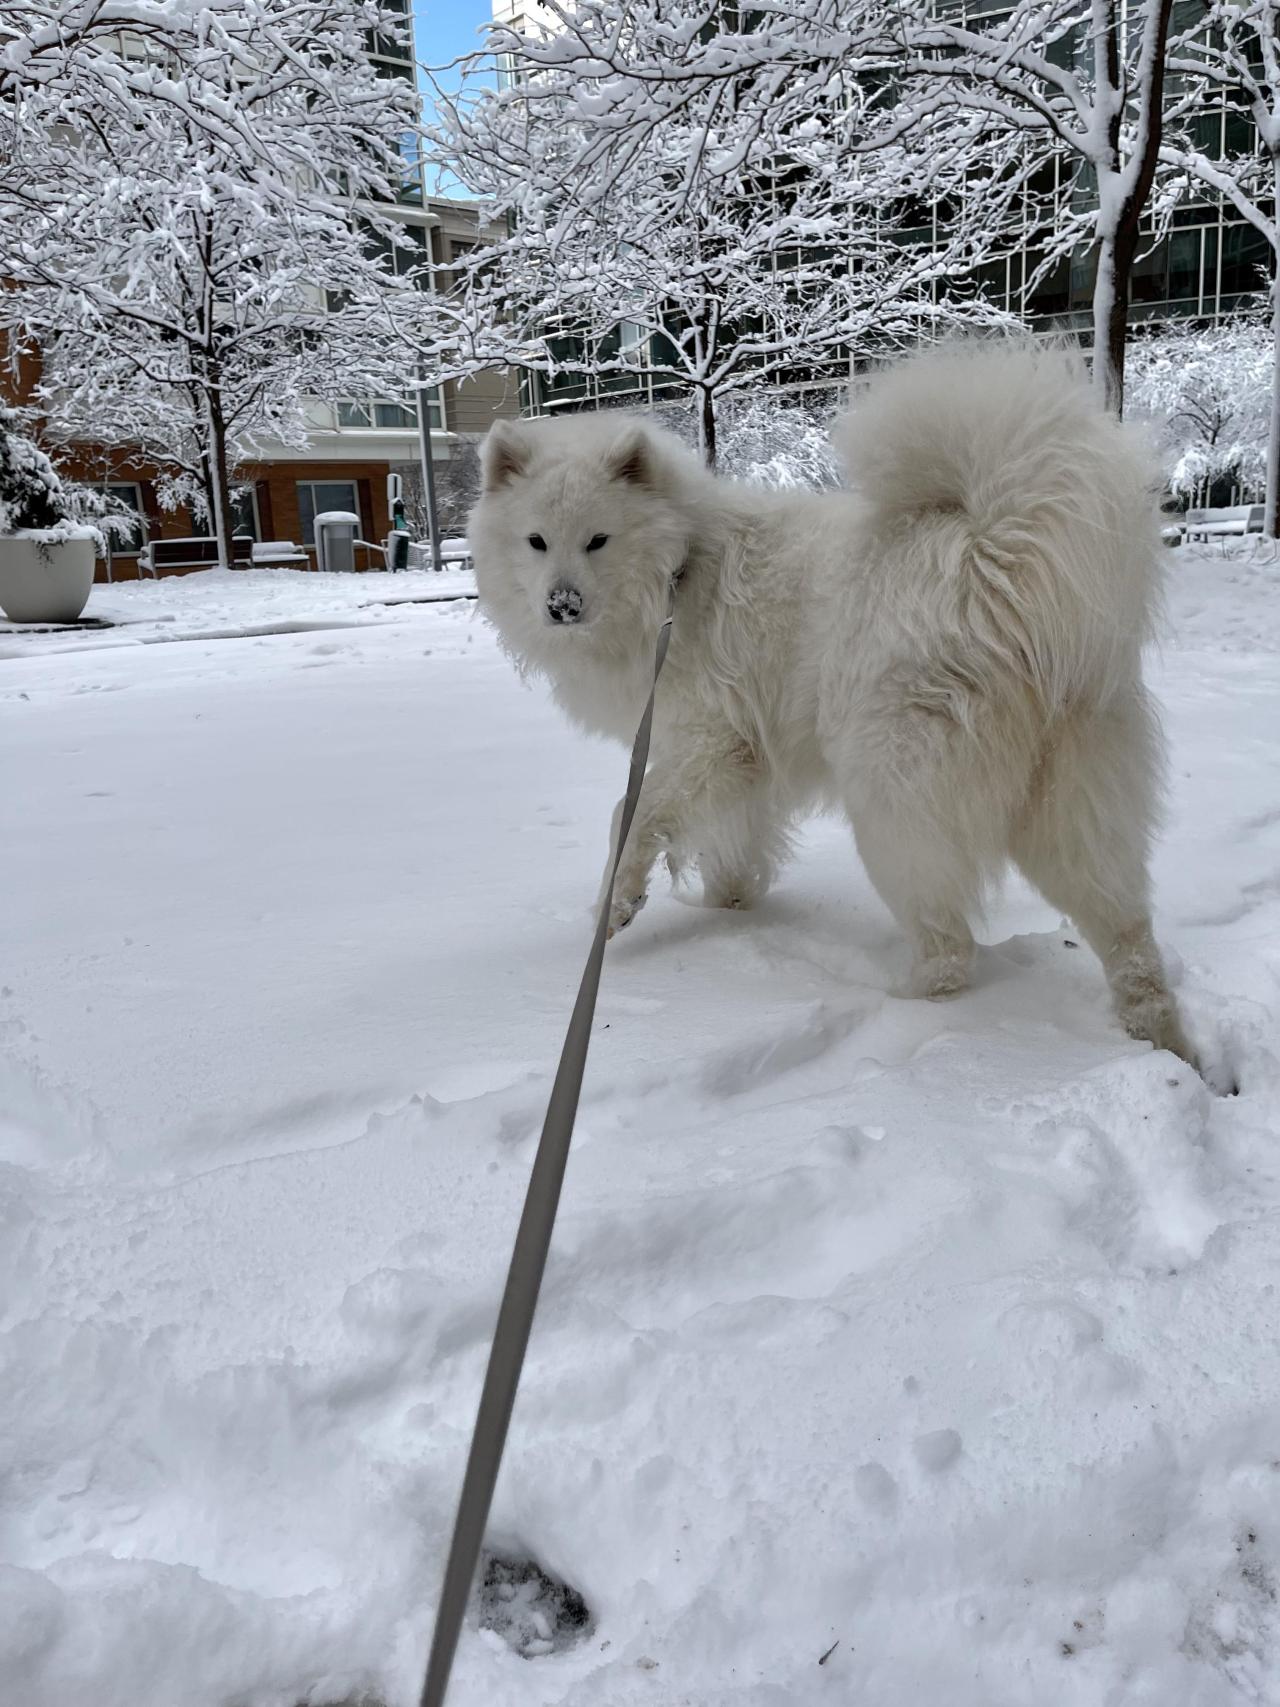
point(735, 896)
point(1154, 1019)
point(940, 977)
point(623, 910)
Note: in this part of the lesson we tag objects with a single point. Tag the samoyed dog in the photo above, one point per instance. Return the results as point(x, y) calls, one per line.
point(949, 652)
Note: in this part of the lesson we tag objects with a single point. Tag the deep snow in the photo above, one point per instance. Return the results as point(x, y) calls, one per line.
point(944, 1333)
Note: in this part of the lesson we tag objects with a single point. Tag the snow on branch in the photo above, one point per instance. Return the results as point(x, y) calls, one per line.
point(1077, 82)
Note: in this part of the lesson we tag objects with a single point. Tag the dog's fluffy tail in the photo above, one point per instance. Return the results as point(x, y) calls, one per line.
point(1012, 522)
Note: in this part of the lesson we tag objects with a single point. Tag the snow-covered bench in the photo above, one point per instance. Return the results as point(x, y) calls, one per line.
point(159, 555)
point(271, 553)
point(454, 554)
point(1223, 524)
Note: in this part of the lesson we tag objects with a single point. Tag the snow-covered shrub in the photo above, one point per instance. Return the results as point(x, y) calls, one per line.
point(1206, 393)
point(457, 488)
point(779, 441)
point(31, 490)
point(34, 497)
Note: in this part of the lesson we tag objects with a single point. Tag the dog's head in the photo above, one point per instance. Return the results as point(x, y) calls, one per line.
point(582, 522)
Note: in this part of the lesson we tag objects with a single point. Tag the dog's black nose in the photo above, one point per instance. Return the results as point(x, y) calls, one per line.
point(564, 603)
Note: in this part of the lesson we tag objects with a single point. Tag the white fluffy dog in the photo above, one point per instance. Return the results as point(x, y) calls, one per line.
point(950, 652)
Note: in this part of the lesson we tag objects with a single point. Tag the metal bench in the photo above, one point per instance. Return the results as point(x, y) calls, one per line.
point(1223, 524)
point(195, 553)
point(271, 553)
point(454, 554)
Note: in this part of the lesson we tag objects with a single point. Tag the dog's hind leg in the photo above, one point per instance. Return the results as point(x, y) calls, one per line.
point(930, 793)
point(1083, 842)
point(931, 886)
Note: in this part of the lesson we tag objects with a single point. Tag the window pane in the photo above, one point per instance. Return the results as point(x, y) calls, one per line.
point(393, 415)
point(435, 410)
point(1051, 294)
point(1084, 272)
point(991, 280)
point(411, 256)
point(353, 414)
point(1244, 255)
point(1210, 268)
point(316, 496)
point(1206, 132)
point(1148, 283)
point(1184, 265)
point(1241, 135)
point(1065, 50)
point(136, 537)
point(243, 517)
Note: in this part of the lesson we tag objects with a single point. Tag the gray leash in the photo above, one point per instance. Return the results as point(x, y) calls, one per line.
point(529, 1258)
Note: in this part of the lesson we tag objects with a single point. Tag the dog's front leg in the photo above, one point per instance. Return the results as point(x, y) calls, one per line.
point(653, 830)
point(620, 916)
point(706, 779)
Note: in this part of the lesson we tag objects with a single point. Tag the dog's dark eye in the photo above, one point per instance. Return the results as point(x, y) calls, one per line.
point(596, 541)
point(537, 542)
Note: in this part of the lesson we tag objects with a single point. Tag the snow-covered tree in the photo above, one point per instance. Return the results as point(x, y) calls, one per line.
point(80, 58)
point(457, 482)
point(31, 489)
point(721, 257)
point(1207, 392)
point(34, 495)
point(781, 442)
point(1082, 79)
point(1079, 79)
point(776, 440)
point(190, 282)
point(1230, 58)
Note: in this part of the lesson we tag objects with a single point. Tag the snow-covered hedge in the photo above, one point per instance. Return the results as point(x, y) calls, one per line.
point(780, 440)
point(34, 497)
point(1206, 394)
point(31, 490)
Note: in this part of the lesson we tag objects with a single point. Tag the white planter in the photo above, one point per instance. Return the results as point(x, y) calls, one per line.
point(42, 582)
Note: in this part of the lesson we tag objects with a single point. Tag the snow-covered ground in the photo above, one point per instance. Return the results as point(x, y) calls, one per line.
point(217, 605)
point(937, 1343)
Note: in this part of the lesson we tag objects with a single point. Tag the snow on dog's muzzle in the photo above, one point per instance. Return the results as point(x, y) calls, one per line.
point(564, 603)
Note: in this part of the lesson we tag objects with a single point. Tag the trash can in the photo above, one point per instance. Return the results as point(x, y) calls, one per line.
point(397, 550)
point(336, 534)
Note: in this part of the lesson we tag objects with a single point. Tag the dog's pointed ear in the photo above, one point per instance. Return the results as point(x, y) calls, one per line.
point(631, 459)
point(505, 455)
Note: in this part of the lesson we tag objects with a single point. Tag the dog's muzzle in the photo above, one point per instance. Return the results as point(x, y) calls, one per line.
point(564, 603)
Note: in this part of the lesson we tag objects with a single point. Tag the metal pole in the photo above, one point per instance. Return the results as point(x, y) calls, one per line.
point(428, 469)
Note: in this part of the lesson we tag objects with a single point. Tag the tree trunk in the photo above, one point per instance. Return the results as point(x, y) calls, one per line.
point(207, 488)
point(1271, 515)
point(1121, 207)
point(1110, 325)
point(209, 377)
point(1117, 252)
point(707, 427)
point(216, 454)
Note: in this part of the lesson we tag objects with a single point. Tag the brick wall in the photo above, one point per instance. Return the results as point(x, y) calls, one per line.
point(275, 487)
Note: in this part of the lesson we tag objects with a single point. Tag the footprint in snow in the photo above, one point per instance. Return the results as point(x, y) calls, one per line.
point(937, 1450)
point(531, 1611)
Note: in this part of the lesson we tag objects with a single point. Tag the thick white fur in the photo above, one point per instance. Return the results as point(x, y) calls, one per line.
point(950, 651)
